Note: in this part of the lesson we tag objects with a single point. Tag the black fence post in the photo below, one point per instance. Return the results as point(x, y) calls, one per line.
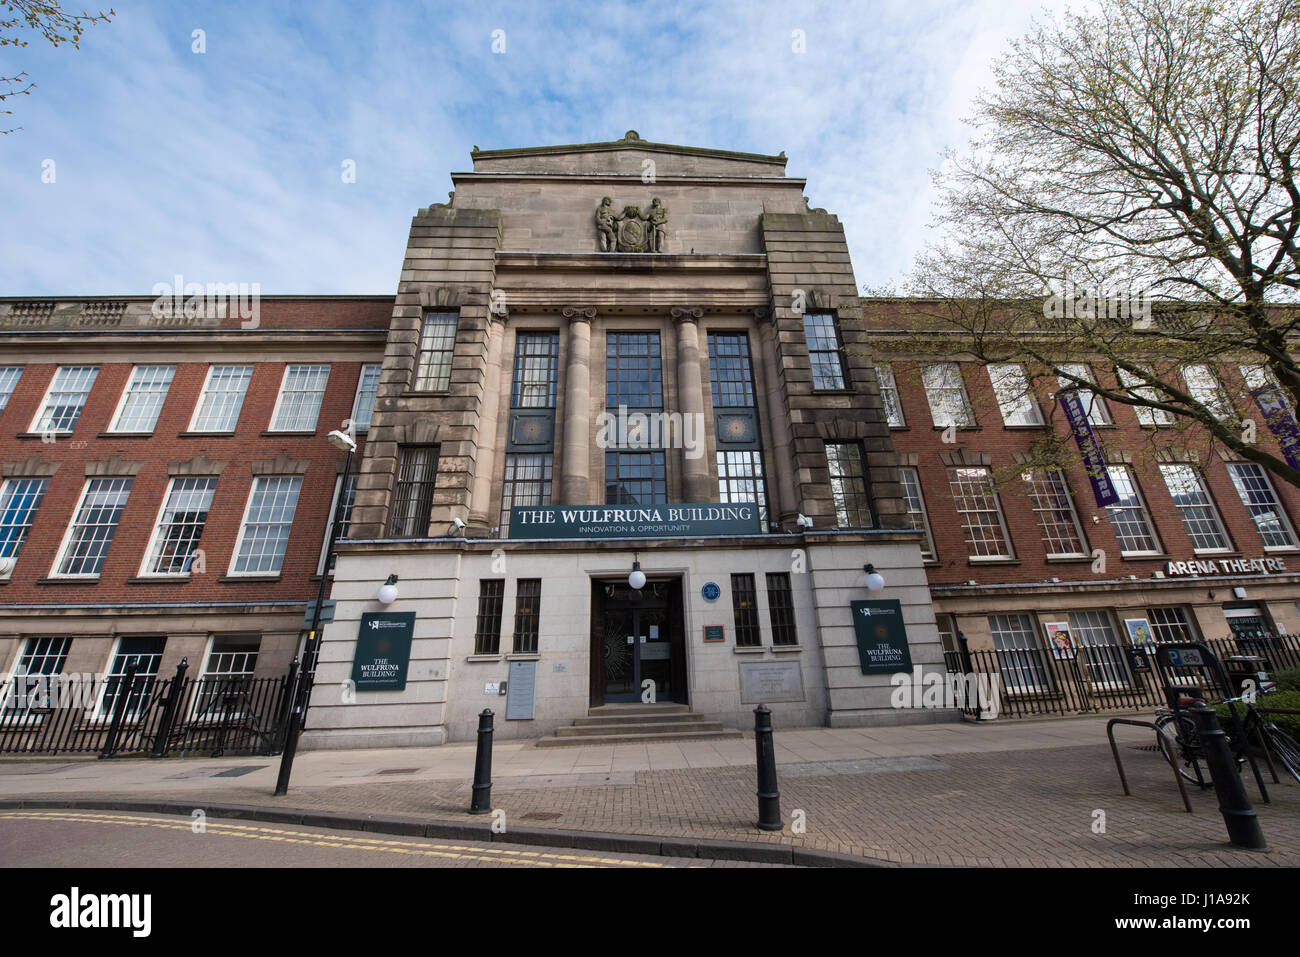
point(481, 803)
point(162, 740)
point(119, 708)
point(1238, 814)
point(769, 799)
point(286, 703)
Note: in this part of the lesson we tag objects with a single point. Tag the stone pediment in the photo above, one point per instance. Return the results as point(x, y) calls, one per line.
point(630, 155)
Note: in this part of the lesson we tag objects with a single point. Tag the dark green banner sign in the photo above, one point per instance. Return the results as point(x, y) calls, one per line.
point(383, 651)
point(633, 521)
point(882, 639)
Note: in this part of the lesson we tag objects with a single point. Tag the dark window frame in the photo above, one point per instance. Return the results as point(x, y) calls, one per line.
point(528, 615)
point(744, 608)
point(487, 628)
point(405, 510)
point(780, 609)
point(837, 352)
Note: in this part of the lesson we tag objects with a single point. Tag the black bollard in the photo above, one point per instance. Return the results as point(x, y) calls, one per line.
point(481, 803)
point(769, 800)
point(1238, 815)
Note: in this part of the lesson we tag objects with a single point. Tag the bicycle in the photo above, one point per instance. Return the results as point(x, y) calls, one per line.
point(1179, 742)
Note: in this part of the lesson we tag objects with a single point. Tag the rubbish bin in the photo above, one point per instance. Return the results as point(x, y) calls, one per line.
point(1243, 668)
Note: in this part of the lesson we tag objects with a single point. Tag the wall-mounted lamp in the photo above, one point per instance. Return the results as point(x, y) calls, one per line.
point(875, 581)
point(636, 580)
point(387, 593)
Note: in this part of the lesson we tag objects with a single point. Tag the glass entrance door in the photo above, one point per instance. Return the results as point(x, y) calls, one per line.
point(637, 646)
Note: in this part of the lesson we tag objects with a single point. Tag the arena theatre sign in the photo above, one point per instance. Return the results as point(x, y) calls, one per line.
point(1224, 566)
point(632, 521)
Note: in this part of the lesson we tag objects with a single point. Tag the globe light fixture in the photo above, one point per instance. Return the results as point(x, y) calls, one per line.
point(636, 580)
point(875, 581)
point(387, 593)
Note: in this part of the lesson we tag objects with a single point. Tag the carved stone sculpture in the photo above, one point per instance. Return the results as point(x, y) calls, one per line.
point(632, 231)
point(606, 223)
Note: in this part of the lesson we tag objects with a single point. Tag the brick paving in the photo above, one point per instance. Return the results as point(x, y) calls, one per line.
point(1032, 805)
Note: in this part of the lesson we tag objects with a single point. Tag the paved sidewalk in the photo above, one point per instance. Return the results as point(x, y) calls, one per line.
point(1015, 793)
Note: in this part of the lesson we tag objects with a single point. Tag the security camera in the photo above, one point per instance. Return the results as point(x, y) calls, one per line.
point(803, 521)
point(458, 523)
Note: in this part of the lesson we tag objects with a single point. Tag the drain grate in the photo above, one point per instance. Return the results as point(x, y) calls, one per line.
point(399, 770)
point(541, 816)
point(237, 772)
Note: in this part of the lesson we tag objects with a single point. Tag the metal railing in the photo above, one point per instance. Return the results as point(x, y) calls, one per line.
point(140, 714)
point(1100, 678)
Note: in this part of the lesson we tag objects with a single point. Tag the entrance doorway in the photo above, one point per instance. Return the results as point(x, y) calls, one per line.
point(637, 638)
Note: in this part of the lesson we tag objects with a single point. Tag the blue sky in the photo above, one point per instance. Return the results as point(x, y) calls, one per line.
point(225, 166)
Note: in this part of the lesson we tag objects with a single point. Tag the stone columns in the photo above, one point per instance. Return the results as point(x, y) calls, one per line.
point(781, 469)
point(575, 485)
point(690, 400)
point(480, 501)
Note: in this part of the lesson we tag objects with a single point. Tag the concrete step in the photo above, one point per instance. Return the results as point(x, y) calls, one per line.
point(637, 708)
point(669, 736)
point(640, 727)
point(614, 720)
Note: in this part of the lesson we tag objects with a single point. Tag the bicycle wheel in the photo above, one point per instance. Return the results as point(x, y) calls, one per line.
point(1178, 743)
point(1284, 748)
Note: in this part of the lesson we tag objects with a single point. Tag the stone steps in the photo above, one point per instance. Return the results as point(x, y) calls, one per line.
point(631, 723)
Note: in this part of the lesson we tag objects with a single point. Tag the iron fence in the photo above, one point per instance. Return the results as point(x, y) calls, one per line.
point(135, 713)
point(1099, 678)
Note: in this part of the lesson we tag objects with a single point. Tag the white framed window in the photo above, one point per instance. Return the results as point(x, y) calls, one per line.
point(889, 396)
point(1257, 375)
point(1021, 659)
point(822, 334)
point(1170, 623)
point(345, 517)
point(29, 685)
point(180, 523)
point(9, 376)
point(1204, 386)
point(527, 481)
point(147, 654)
point(740, 479)
point(1196, 508)
point(301, 392)
point(437, 347)
point(916, 516)
point(1256, 493)
point(1098, 414)
point(1016, 399)
point(19, 500)
point(222, 399)
point(983, 526)
point(1053, 506)
point(1145, 414)
point(1130, 518)
point(65, 398)
point(363, 406)
point(849, 490)
point(226, 679)
point(264, 532)
point(143, 399)
point(1099, 646)
point(85, 544)
point(949, 404)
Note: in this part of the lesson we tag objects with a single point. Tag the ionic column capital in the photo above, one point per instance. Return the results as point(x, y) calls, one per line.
point(687, 313)
point(579, 313)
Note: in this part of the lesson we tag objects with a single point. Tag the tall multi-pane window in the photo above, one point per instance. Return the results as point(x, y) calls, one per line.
point(780, 609)
point(222, 398)
point(848, 477)
point(889, 395)
point(143, 400)
point(528, 610)
point(1170, 624)
point(1129, 517)
point(301, 394)
point(98, 514)
point(345, 496)
point(744, 604)
point(1015, 398)
point(1099, 646)
point(527, 482)
point(9, 376)
point(264, 536)
point(739, 452)
point(1204, 386)
point(19, 500)
point(947, 395)
point(1256, 492)
point(417, 471)
point(824, 350)
point(634, 380)
point(740, 479)
point(487, 629)
point(1092, 403)
point(1145, 414)
point(1020, 655)
point(147, 654)
point(363, 406)
point(437, 345)
point(1200, 518)
point(731, 376)
point(537, 358)
point(1049, 497)
point(30, 687)
point(65, 399)
point(977, 504)
point(180, 526)
point(916, 516)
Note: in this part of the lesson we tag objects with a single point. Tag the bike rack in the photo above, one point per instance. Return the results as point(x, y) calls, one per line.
point(1123, 779)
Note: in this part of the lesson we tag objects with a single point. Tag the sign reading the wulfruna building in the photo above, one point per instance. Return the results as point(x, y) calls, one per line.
point(383, 651)
point(633, 521)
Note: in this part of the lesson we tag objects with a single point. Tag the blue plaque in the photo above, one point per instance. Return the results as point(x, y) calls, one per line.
point(711, 591)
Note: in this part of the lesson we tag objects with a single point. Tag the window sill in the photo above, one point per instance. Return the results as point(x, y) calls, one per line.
point(425, 393)
point(483, 659)
point(992, 561)
point(748, 650)
point(1280, 549)
point(900, 428)
point(1068, 559)
point(68, 580)
point(1023, 427)
point(225, 434)
point(29, 436)
point(1216, 553)
point(125, 435)
point(273, 433)
point(158, 579)
point(524, 656)
point(787, 649)
point(226, 579)
point(1145, 557)
point(959, 428)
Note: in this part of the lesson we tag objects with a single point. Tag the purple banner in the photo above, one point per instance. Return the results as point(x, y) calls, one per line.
point(1094, 458)
point(1277, 413)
